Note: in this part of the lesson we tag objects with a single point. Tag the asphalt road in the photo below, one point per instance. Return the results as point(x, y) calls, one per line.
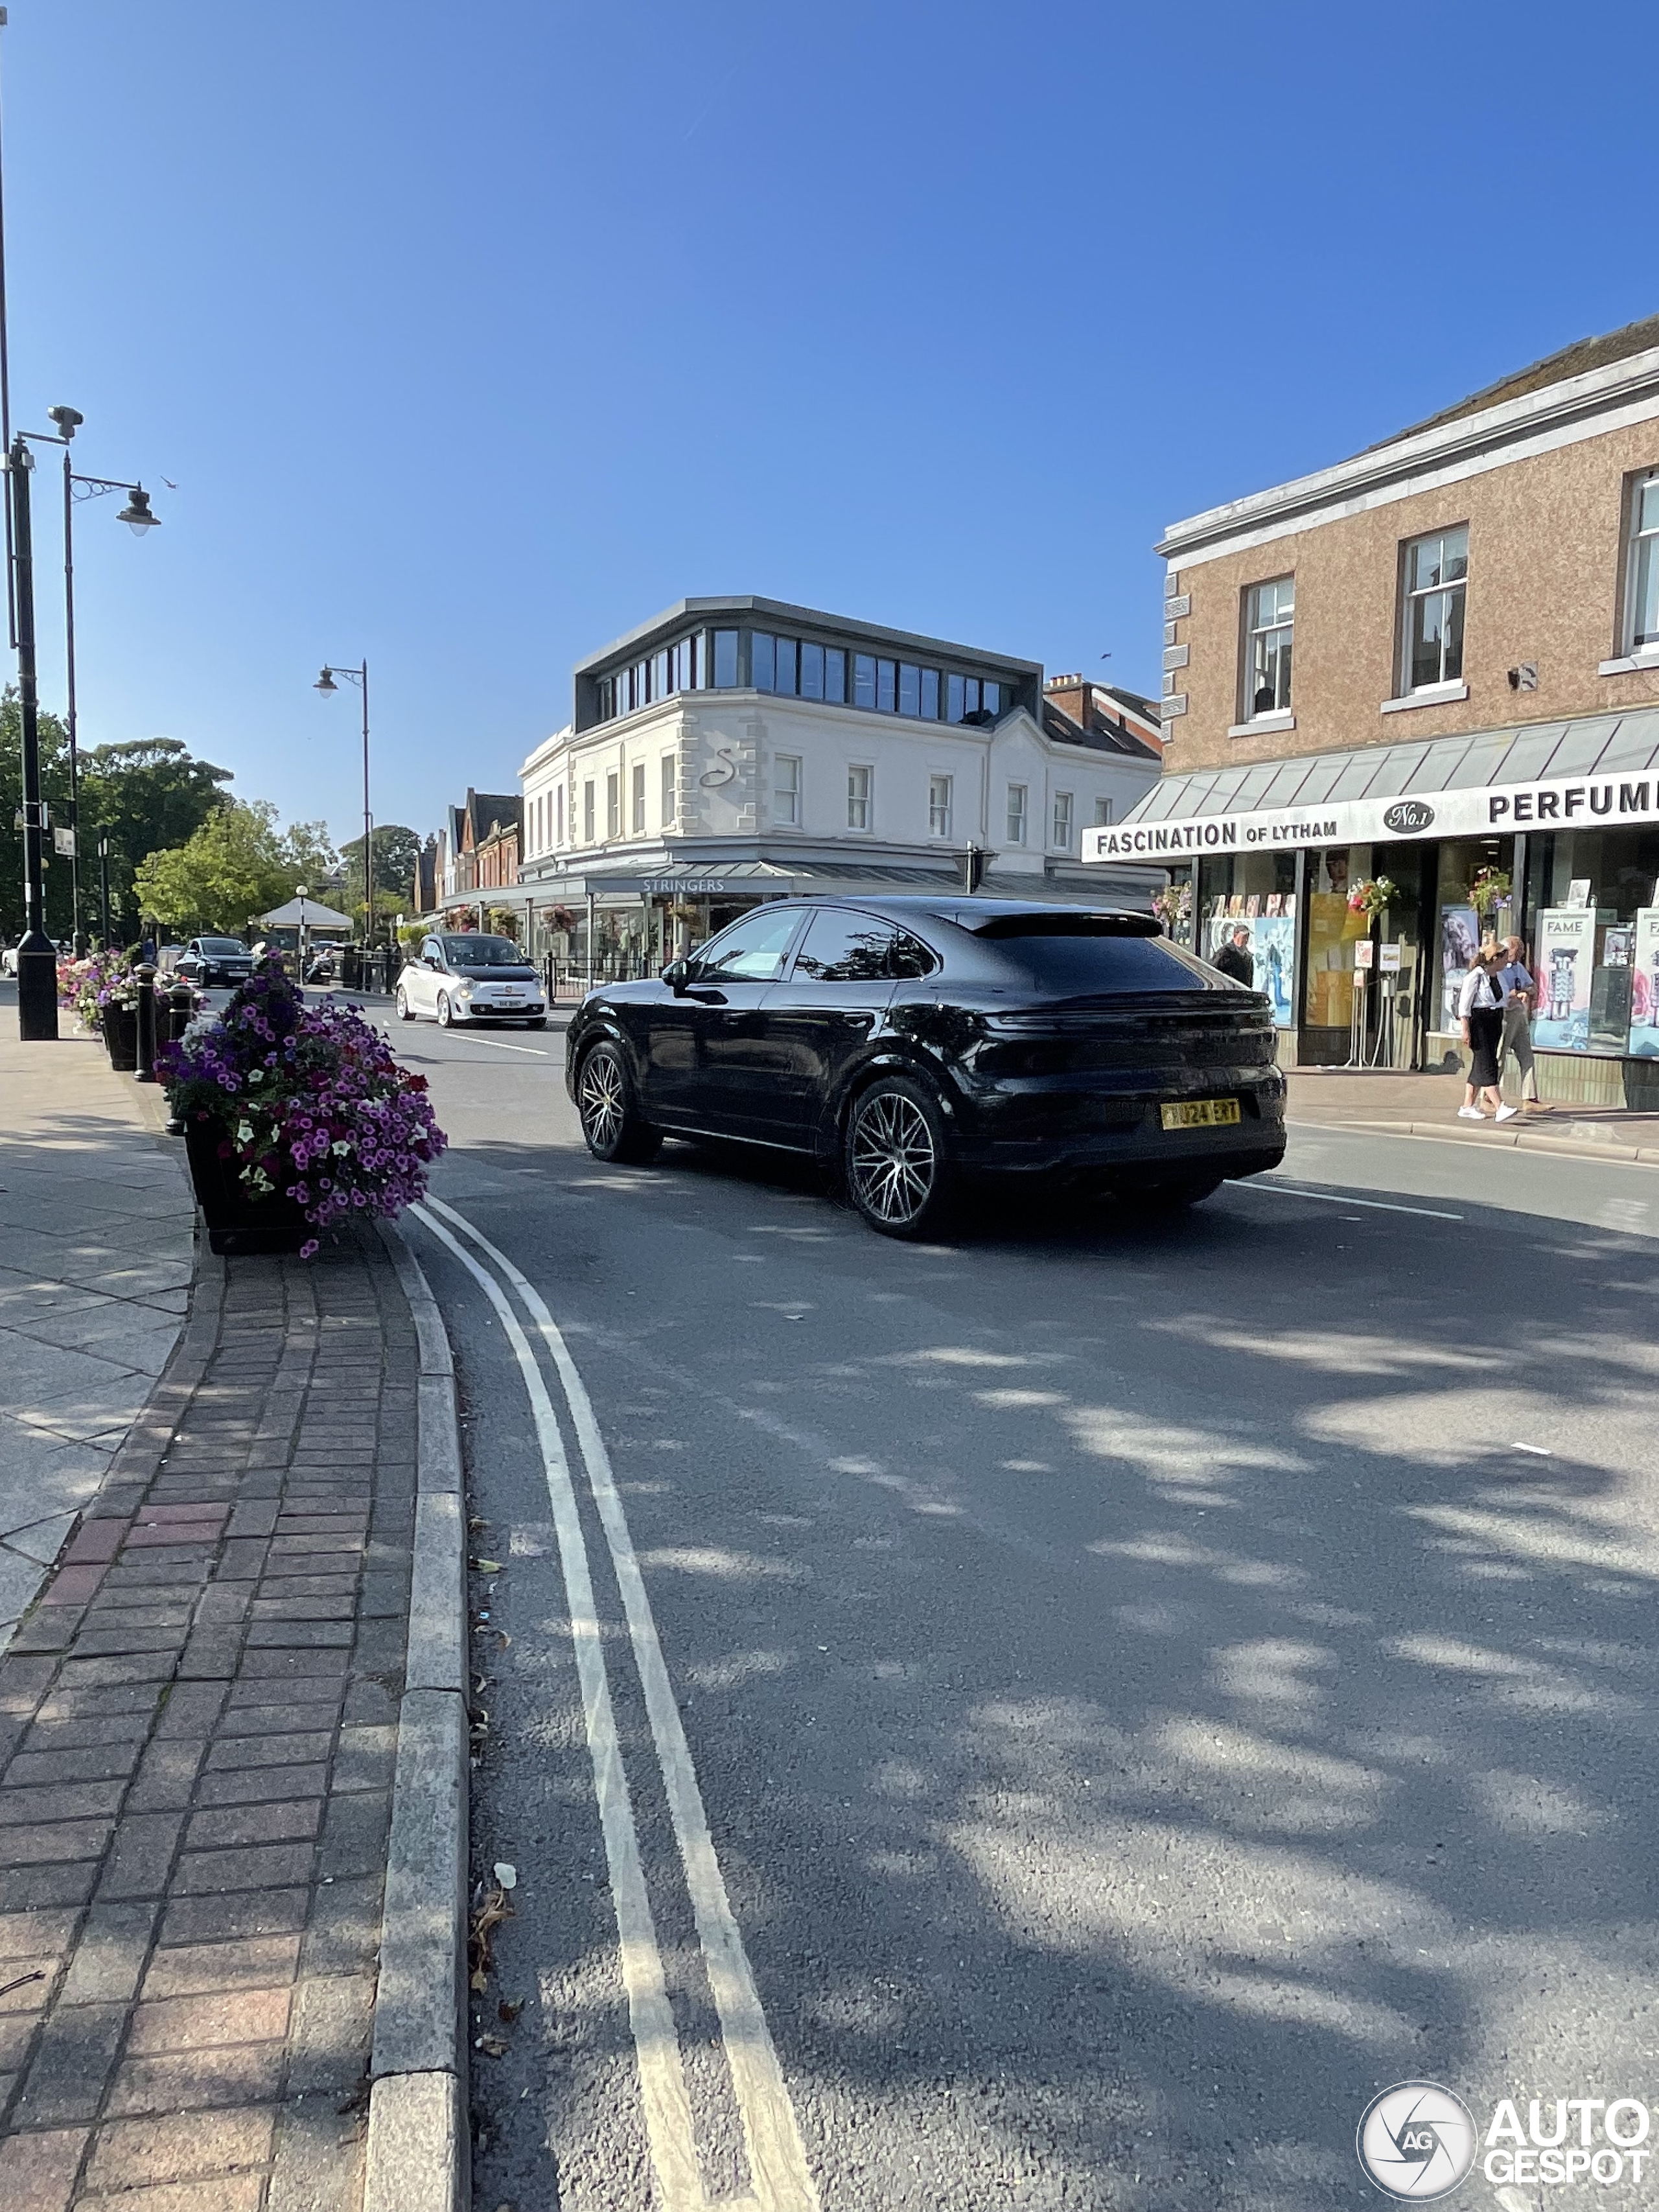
point(1149, 1689)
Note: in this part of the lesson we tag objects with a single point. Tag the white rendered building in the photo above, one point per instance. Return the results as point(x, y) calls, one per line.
point(736, 749)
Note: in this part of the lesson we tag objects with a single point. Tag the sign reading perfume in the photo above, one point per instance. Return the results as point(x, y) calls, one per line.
point(1598, 801)
point(1566, 964)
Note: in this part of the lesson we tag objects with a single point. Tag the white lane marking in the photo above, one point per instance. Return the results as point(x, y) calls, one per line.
point(1541, 1451)
point(501, 1044)
point(1329, 1198)
point(662, 2077)
point(777, 2159)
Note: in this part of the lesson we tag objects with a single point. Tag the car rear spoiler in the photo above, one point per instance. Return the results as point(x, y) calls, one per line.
point(1061, 925)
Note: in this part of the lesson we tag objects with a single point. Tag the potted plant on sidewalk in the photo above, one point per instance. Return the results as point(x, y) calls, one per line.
point(296, 1116)
point(102, 991)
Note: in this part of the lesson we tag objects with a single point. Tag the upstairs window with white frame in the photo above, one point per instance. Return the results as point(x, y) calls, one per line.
point(637, 796)
point(1017, 814)
point(1642, 586)
point(858, 797)
point(613, 804)
point(669, 770)
point(939, 792)
point(1102, 814)
point(1061, 824)
point(785, 791)
point(1269, 624)
point(1437, 574)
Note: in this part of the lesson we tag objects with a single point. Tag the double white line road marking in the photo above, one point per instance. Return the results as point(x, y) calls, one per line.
point(779, 2179)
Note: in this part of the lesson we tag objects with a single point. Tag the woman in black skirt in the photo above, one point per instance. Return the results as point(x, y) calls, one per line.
point(1480, 1010)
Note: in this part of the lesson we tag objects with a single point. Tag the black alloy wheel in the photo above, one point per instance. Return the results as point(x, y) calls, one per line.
point(611, 1123)
point(897, 1159)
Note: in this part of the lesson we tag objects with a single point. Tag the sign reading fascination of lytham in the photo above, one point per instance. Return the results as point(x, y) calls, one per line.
point(1471, 813)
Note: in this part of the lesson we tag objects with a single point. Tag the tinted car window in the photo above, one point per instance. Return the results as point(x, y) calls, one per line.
point(1079, 965)
point(845, 948)
point(476, 952)
point(751, 950)
point(222, 944)
point(910, 958)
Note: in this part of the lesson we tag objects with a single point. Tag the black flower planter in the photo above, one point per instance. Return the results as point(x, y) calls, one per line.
point(237, 1220)
point(121, 1037)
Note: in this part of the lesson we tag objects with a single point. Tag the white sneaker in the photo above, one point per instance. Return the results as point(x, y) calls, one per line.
point(1470, 1113)
point(1506, 1113)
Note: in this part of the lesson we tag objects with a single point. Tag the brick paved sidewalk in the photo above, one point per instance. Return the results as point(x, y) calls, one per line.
point(197, 1730)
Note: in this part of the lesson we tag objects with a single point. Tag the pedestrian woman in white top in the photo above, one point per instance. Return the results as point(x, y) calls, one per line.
point(1480, 1010)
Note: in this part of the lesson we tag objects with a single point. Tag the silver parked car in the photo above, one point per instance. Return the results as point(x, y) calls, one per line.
point(464, 976)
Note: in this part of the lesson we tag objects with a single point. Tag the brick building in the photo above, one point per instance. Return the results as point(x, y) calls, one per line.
point(1435, 664)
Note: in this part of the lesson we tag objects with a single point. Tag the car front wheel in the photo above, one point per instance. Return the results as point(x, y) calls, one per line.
point(611, 1123)
point(896, 1157)
point(446, 1012)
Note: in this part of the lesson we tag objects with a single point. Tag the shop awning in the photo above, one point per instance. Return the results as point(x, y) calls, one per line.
point(803, 879)
point(1594, 773)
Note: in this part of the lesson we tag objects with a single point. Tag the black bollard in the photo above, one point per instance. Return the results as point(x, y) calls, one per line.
point(145, 1071)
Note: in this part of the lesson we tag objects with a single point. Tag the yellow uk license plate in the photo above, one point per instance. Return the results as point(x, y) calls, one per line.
point(1199, 1112)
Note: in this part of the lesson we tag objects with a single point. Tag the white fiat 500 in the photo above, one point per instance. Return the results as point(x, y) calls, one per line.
point(468, 977)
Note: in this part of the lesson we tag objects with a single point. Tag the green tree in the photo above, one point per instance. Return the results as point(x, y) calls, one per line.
point(236, 866)
point(146, 796)
point(396, 851)
point(54, 788)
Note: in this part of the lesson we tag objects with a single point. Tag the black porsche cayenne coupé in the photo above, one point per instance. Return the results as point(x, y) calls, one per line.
point(915, 1043)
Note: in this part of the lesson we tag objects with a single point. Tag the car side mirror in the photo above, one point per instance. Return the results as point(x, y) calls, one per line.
point(677, 974)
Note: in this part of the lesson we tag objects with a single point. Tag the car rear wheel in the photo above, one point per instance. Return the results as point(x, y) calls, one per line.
point(405, 1011)
point(1170, 1196)
point(897, 1159)
point(611, 1122)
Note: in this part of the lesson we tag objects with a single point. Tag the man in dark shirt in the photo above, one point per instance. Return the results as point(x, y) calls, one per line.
point(1234, 959)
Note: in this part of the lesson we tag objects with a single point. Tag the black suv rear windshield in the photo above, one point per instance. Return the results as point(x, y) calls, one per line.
point(1081, 966)
point(474, 952)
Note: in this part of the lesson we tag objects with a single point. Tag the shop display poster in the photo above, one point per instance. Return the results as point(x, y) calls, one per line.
point(1460, 941)
point(1271, 945)
point(1565, 965)
point(1644, 986)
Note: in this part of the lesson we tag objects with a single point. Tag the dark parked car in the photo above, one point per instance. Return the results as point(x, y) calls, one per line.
point(912, 1042)
point(209, 960)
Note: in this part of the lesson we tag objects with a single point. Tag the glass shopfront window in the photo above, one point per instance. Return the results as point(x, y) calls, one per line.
point(1473, 900)
point(1591, 914)
point(1254, 892)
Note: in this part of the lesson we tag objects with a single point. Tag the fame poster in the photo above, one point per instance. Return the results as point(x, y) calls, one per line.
point(1270, 940)
point(1644, 986)
point(1564, 967)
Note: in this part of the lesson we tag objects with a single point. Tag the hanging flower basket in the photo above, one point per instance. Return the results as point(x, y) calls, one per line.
point(296, 1116)
point(1489, 889)
point(1373, 898)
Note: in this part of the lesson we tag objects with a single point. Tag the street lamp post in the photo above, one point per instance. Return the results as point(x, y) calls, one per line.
point(37, 956)
point(139, 519)
point(103, 891)
point(327, 686)
point(37, 960)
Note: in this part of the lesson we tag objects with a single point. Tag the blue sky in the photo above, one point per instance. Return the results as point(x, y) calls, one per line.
point(472, 334)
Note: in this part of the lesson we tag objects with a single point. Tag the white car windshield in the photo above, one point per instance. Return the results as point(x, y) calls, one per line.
point(473, 951)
